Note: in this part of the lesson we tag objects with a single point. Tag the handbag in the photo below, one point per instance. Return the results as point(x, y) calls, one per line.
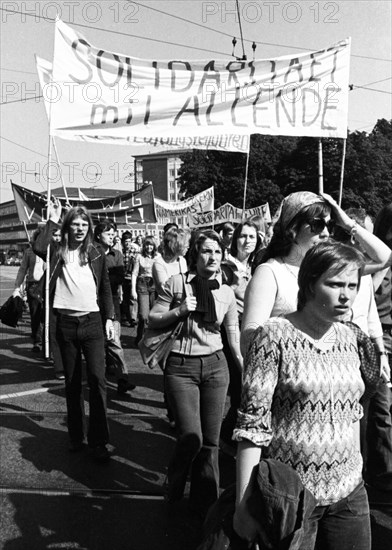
point(156, 344)
point(11, 311)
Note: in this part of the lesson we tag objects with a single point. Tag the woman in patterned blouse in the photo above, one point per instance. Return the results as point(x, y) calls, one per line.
point(300, 400)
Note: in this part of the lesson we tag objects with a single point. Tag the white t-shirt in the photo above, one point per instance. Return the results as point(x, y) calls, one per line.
point(75, 288)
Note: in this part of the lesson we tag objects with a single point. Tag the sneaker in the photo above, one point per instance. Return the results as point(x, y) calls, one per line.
point(123, 386)
point(100, 454)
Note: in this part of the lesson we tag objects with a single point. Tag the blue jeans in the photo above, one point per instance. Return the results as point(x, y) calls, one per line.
point(74, 335)
point(344, 525)
point(196, 388)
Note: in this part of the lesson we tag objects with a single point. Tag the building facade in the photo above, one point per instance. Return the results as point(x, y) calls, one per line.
point(161, 169)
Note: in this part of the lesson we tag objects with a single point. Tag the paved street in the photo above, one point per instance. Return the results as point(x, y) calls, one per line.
point(52, 499)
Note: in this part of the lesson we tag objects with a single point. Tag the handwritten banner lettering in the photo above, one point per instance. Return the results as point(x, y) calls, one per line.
point(98, 94)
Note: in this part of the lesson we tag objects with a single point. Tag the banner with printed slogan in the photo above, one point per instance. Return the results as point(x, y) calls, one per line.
point(105, 95)
point(124, 209)
point(228, 213)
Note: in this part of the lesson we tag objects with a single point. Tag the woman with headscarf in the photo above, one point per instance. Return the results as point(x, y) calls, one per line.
point(304, 220)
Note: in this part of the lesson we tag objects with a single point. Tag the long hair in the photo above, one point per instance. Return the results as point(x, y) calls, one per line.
point(199, 238)
point(70, 216)
point(283, 237)
point(149, 240)
point(320, 258)
point(383, 223)
point(236, 236)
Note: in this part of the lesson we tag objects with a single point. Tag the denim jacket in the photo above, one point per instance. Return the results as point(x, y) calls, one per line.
point(279, 503)
point(97, 262)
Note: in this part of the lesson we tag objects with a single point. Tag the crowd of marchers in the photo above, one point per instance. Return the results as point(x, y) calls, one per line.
point(292, 320)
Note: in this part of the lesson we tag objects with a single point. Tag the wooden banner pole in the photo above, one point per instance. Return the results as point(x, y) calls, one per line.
point(320, 167)
point(342, 172)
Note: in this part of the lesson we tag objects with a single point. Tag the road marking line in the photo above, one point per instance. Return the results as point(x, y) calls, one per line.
point(28, 392)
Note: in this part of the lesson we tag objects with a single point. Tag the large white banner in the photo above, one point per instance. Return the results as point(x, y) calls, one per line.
point(228, 213)
point(198, 204)
point(104, 95)
point(223, 142)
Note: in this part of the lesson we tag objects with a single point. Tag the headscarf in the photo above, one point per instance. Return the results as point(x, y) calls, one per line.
point(294, 203)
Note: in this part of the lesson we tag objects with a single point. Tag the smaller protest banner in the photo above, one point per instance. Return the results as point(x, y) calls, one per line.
point(198, 204)
point(227, 213)
point(137, 206)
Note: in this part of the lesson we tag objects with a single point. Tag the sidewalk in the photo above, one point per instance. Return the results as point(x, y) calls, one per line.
point(52, 499)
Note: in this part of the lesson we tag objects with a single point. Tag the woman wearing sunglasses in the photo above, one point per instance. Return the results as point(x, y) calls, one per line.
point(304, 221)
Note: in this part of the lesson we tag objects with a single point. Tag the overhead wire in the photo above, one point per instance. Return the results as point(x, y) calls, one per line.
point(250, 41)
point(21, 100)
point(120, 33)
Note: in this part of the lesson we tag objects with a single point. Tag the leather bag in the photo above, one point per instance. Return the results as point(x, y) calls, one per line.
point(156, 344)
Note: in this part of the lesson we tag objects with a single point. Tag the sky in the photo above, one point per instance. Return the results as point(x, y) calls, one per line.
point(192, 29)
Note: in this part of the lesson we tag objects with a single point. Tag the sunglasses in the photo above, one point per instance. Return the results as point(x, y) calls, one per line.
point(317, 225)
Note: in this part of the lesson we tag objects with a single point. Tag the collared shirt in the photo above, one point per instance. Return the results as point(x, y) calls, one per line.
point(200, 338)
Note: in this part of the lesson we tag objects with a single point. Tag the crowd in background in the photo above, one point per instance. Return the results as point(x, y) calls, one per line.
point(274, 315)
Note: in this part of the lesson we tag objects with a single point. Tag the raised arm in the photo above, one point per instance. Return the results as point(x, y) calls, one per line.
point(259, 301)
point(377, 251)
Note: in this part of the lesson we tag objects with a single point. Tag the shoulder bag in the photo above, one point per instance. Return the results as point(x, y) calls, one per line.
point(156, 344)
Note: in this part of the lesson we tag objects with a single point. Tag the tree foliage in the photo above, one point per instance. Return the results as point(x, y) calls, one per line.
point(280, 165)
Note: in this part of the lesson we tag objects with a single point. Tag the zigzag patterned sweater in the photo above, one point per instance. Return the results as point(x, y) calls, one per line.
point(300, 402)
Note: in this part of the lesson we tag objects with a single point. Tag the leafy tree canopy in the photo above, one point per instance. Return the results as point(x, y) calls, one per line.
point(280, 165)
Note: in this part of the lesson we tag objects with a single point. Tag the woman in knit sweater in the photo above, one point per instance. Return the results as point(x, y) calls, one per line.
point(300, 401)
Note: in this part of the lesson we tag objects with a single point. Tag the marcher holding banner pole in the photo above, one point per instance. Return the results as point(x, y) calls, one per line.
point(304, 220)
point(78, 279)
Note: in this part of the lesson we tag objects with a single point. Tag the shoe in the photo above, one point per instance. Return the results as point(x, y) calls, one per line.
point(76, 446)
point(59, 376)
point(36, 348)
point(100, 454)
point(123, 386)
